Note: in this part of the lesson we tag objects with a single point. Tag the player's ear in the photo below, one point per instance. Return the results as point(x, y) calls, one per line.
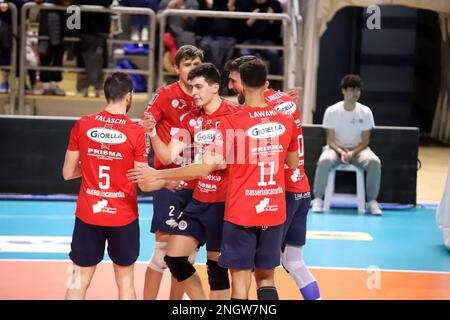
point(216, 87)
point(177, 69)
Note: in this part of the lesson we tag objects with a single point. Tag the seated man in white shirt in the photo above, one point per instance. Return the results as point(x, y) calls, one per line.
point(348, 124)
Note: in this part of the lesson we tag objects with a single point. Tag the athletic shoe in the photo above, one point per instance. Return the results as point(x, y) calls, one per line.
point(373, 207)
point(317, 205)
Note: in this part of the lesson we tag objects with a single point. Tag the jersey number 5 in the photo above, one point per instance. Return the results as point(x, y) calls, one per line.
point(103, 173)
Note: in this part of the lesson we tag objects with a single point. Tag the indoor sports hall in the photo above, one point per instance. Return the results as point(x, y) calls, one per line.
point(401, 50)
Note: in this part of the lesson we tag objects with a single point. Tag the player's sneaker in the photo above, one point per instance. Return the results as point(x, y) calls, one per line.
point(317, 205)
point(373, 207)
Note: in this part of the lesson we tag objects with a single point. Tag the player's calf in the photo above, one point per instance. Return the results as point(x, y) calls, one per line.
point(292, 261)
point(217, 276)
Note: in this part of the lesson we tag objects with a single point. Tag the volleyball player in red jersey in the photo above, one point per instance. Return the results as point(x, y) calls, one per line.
point(254, 144)
point(201, 220)
point(168, 107)
point(298, 196)
point(102, 148)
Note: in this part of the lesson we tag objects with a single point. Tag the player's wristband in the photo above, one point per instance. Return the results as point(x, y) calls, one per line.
point(152, 133)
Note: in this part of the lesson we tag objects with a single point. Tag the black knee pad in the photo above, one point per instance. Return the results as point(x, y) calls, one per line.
point(217, 276)
point(180, 267)
point(267, 293)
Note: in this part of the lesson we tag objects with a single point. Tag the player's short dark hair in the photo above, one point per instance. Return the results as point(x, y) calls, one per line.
point(207, 71)
point(351, 81)
point(233, 65)
point(188, 52)
point(253, 73)
point(117, 86)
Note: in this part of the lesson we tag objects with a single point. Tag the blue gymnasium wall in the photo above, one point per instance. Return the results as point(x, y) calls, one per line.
point(32, 154)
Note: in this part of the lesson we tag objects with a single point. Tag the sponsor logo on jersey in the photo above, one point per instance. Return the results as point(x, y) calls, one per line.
point(106, 154)
point(262, 205)
point(171, 223)
point(266, 130)
point(205, 136)
point(178, 103)
point(98, 207)
point(269, 149)
point(302, 195)
point(207, 187)
point(295, 175)
point(105, 135)
point(288, 107)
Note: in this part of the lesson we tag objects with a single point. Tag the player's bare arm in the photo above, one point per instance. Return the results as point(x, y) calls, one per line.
point(72, 165)
point(148, 122)
point(166, 153)
point(292, 159)
point(210, 162)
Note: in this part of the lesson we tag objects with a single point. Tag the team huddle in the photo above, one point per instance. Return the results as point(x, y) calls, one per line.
point(227, 176)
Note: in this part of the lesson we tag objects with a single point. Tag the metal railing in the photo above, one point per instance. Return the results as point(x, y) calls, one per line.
point(297, 71)
point(287, 22)
point(12, 67)
point(24, 67)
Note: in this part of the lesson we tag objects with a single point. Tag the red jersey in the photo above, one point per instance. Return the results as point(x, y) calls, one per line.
point(202, 128)
point(109, 144)
point(296, 180)
point(255, 142)
point(169, 106)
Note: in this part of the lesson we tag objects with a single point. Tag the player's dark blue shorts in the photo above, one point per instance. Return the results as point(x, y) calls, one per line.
point(88, 244)
point(204, 222)
point(250, 247)
point(297, 206)
point(167, 206)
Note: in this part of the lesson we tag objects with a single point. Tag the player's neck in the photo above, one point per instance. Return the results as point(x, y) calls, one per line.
point(116, 109)
point(185, 88)
point(349, 105)
point(214, 104)
point(255, 99)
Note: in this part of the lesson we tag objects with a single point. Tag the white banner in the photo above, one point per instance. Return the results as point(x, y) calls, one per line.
point(41, 244)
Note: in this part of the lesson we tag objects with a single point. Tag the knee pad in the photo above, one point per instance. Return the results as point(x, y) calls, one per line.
point(193, 256)
point(157, 262)
point(217, 276)
point(180, 267)
point(292, 261)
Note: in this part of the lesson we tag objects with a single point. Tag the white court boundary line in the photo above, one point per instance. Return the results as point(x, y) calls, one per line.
point(202, 263)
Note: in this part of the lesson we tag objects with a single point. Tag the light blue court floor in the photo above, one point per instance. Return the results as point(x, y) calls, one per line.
point(405, 239)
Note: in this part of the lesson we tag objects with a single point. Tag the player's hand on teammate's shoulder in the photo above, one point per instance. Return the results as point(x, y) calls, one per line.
point(294, 94)
point(148, 122)
point(142, 174)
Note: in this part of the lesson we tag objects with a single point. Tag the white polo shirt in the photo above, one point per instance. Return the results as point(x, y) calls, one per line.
point(348, 125)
